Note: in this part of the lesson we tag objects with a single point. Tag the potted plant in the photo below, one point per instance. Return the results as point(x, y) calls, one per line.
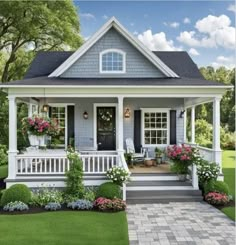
point(37, 127)
point(159, 155)
point(182, 157)
point(129, 159)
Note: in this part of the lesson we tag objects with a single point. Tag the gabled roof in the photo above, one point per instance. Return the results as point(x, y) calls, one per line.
point(113, 22)
point(46, 62)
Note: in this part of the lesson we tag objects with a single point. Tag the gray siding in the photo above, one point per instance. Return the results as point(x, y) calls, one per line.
point(136, 64)
point(84, 128)
point(137, 103)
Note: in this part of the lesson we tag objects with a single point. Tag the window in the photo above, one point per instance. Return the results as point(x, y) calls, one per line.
point(112, 61)
point(155, 126)
point(59, 113)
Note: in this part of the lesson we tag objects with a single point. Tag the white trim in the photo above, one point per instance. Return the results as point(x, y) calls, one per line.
point(143, 110)
point(119, 51)
point(112, 86)
point(113, 22)
point(95, 105)
point(66, 119)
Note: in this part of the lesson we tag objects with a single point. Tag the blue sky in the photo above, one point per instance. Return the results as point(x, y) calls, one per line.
point(206, 29)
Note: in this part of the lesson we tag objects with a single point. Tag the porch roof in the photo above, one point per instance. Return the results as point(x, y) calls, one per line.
point(164, 82)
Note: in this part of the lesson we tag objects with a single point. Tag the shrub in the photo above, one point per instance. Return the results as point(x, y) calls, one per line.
point(109, 190)
point(216, 198)
point(3, 155)
point(70, 198)
point(118, 204)
point(207, 171)
point(216, 186)
point(17, 192)
point(43, 196)
point(104, 204)
point(53, 206)
point(74, 181)
point(90, 196)
point(80, 205)
point(15, 206)
point(118, 175)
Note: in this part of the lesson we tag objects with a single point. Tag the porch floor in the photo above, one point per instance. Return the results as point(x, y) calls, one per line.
point(141, 168)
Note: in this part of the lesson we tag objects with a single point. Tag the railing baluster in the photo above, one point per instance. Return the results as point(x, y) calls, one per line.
point(88, 164)
point(103, 164)
point(93, 164)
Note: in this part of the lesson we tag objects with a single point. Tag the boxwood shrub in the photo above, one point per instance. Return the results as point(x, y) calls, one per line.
point(109, 190)
point(17, 192)
point(216, 186)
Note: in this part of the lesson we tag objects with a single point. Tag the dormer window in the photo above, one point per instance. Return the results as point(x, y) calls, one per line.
point(112, 61)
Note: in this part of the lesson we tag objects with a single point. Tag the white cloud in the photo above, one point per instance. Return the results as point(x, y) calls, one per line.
point(87, 16)
point(232, 7)
point(135, 33)
point(171, 24)
point(105, 17)
point(228, 62)
point(193, 52)
point(186, 20)
point(131, 24)
point(212, 31)
point(174, 24)
point(157, 41)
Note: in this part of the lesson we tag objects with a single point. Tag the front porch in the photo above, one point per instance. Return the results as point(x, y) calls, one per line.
point(159, 122)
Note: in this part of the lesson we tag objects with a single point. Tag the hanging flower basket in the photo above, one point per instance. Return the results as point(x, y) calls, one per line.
point(37, 127)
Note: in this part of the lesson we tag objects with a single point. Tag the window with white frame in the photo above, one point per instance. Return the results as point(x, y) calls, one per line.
point(155, 127)
point(58, 113)
point(112, 61)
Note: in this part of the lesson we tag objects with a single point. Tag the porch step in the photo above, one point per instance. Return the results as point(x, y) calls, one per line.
point(160, 188)
point(154, 177)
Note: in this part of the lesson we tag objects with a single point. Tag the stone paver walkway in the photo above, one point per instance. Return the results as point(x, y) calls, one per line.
point(179, 223)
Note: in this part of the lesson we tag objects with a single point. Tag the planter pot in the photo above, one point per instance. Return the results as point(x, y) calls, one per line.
point(36, 140)
point(159, 160)
point(182, 177)
point(33, 139)
point(148, 162)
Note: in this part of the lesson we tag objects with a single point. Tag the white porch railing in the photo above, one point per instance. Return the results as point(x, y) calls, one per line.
point(54, 165)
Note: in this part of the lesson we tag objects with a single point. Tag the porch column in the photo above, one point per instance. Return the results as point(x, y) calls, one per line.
point(193, 124)
point(120, 147)
point(216, 131)
point(185, 125)
point(12, 152)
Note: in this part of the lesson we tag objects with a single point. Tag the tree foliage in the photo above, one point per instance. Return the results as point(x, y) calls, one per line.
point(35, 25)
point(27, 27)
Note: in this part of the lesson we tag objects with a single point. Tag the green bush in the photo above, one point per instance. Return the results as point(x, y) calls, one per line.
point(17, 192)
point(3, 155)
point(109, 190)
point(216, 186)
point(74, 176)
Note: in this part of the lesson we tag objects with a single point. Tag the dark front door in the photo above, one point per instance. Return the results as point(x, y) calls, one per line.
point(106, 128)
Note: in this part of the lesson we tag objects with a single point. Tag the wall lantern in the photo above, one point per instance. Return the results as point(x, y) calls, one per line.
point(127, 113)
point(181, 114)
point(45, 108)
point(85, 115)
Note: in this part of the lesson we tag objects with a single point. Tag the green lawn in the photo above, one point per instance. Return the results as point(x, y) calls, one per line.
point(64, 228)
point(229, 178)
point(3, 171)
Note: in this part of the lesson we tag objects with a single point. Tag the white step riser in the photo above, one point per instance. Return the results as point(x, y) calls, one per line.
point(153, 178)
point(158, 188)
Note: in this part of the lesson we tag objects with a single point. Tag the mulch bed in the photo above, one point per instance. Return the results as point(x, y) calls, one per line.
point(230, 204)
point(35, 210)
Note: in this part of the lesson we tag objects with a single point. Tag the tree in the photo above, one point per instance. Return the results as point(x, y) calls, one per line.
point(32, 26)
point(25, 28)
